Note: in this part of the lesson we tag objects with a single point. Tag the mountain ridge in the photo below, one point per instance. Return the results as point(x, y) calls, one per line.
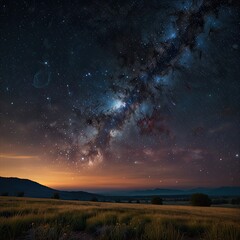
point(218, 191)
point(13, 185)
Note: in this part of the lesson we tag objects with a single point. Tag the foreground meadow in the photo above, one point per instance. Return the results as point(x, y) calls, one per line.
point(44, 219)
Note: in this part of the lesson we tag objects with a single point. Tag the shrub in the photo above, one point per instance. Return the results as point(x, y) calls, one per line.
point(235, 201)
point(20, 194)
point(56, 195)
point(5, 194)
point(200, 199)
point(94, 199)
point(156, 200)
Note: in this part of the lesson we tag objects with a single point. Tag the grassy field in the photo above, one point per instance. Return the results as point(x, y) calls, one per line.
point(39, 219)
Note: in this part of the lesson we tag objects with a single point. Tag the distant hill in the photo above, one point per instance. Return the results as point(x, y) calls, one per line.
point(33, 189)
point(221, 191)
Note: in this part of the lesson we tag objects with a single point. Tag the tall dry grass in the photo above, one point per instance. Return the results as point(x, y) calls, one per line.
point(42, 219)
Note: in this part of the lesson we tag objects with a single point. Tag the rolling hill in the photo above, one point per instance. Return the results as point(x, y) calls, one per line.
point(12, 186)
point(221, 191)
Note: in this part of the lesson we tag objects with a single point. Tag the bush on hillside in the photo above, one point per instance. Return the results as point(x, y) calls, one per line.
point(94, 199)
point(235, 201)
point(56, 195)
point(156, 200)
point(20, 194)
point(200, 199)
point(4, 194)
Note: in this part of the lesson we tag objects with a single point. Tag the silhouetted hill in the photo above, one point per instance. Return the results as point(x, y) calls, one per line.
point(33, 189)
point(159, 191)
point(221, 191)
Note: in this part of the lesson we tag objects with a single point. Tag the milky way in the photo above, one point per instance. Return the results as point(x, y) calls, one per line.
point(136, 83)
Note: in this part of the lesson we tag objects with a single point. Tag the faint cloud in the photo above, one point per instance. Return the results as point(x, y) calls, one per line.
point(12, 156)
point(219, 128)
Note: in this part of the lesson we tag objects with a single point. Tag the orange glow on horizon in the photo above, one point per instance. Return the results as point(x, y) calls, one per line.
point(61, 176)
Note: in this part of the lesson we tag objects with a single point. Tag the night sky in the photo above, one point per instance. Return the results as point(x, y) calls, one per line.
point(127, 94)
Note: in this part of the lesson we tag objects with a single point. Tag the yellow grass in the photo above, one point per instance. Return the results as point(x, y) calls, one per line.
point(56, 219)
